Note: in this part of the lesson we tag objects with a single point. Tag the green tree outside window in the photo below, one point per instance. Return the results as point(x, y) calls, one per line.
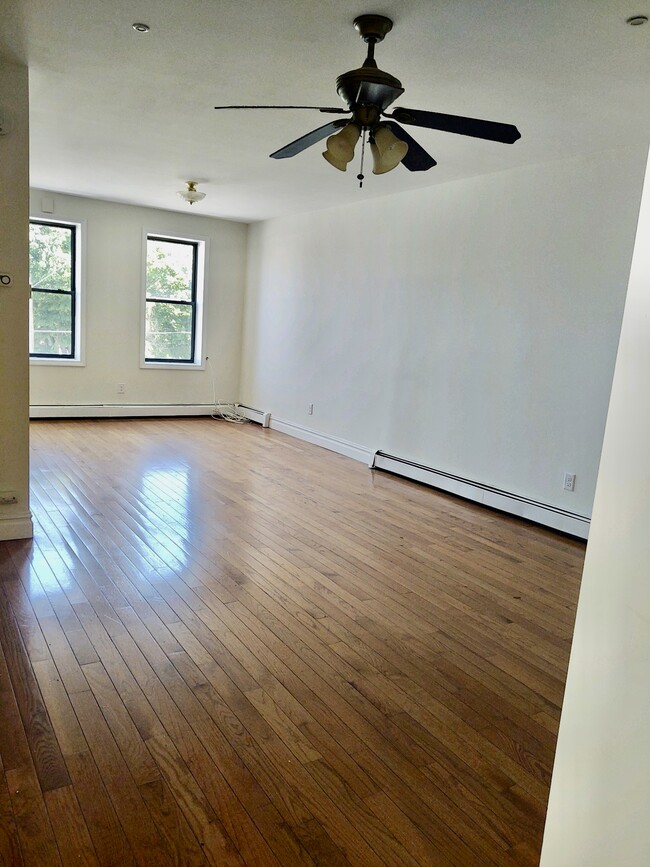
point(53, 280)
point(170, 315)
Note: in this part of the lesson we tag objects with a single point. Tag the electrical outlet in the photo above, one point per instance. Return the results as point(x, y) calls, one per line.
point(569, 481)
point(310, 409)
point(121, 388)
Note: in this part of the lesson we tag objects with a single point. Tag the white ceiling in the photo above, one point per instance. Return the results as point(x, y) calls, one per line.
point(129, 117)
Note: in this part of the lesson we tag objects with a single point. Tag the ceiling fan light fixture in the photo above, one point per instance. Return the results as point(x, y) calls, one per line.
point(341, 165)
point(191, 194)
point(367, 92)
point(340, 146)
point(387, 150)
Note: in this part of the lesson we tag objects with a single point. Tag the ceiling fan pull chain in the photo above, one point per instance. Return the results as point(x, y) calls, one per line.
point(363, 150)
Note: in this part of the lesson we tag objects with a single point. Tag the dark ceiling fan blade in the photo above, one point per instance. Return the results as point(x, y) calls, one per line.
point(486, 129)
point(305, 141)
point(310, 107)
point(416, 159)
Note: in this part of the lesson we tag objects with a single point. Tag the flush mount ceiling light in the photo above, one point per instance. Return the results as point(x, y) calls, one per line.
point(139, 27)
point(191, 194)
point(636, 20)
point(368, 92)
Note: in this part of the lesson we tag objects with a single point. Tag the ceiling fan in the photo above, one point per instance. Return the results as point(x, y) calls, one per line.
point(368, 92)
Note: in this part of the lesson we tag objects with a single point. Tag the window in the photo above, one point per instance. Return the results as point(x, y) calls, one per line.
point(173, 296)
point(54, 278)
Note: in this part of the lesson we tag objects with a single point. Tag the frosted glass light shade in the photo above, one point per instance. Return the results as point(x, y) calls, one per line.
point(340, 146)
point(387, 150)
point(191, 194)
point(339, 164)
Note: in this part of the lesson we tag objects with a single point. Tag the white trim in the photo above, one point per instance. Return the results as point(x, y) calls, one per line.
point(326, 441)
point(17, 527)
point(541, 513)
point(171, 365)
point(79, 359)
point(202, 270)
point(62, 362)
point(114, 410)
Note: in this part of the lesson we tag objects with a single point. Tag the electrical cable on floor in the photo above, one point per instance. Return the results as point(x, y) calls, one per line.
point(222, 409)
point(228, 412)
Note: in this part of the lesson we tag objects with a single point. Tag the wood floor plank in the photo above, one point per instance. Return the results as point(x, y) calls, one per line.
point(210, 758)
point(26, 619)
point(64, 722)
point(10, 852)
point(123, 729)
point(226, 646)
point(193, 802)
point(148, 847)
point(37, 841)
point(108, 837)
point(14, 748)
point(46, 754)
point(423, 850)
point(172, 824)
point(70, 830)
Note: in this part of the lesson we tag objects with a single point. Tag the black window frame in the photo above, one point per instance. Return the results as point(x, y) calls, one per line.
point(72, 292)
point(193, 303)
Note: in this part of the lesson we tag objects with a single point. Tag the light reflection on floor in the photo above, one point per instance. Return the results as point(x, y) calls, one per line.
point(167, 490)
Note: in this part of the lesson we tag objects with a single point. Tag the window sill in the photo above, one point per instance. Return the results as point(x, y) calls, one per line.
point(170, 365)
point(57, 362)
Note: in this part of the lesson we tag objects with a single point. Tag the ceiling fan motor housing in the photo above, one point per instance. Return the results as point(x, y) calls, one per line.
point(368, 86)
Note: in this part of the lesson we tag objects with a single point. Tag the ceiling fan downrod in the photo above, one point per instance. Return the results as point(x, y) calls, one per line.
point(372, 29)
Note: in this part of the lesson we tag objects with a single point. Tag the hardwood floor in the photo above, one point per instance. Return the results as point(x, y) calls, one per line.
point(225, 646)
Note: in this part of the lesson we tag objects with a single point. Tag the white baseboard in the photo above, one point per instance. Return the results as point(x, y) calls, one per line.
point(334, 444)
point(109, 410)
point(16, 527)
point(505, 501)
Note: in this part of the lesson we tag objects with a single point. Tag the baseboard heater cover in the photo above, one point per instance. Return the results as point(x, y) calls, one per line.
point(122, 410)
point(541, 513)
point(257, 415)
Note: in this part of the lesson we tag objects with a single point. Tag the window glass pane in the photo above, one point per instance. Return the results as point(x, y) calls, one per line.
point(169, 270)
point(50, 257)
point(51, 317)
point(168, 331)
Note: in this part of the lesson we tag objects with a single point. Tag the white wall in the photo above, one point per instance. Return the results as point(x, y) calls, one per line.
point(471, 327)
point(15, 522)
point(113, 238)
point(600, 791)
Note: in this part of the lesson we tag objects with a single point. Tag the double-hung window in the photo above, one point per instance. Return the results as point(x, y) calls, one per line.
point(173, 300)
point(54, 331)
